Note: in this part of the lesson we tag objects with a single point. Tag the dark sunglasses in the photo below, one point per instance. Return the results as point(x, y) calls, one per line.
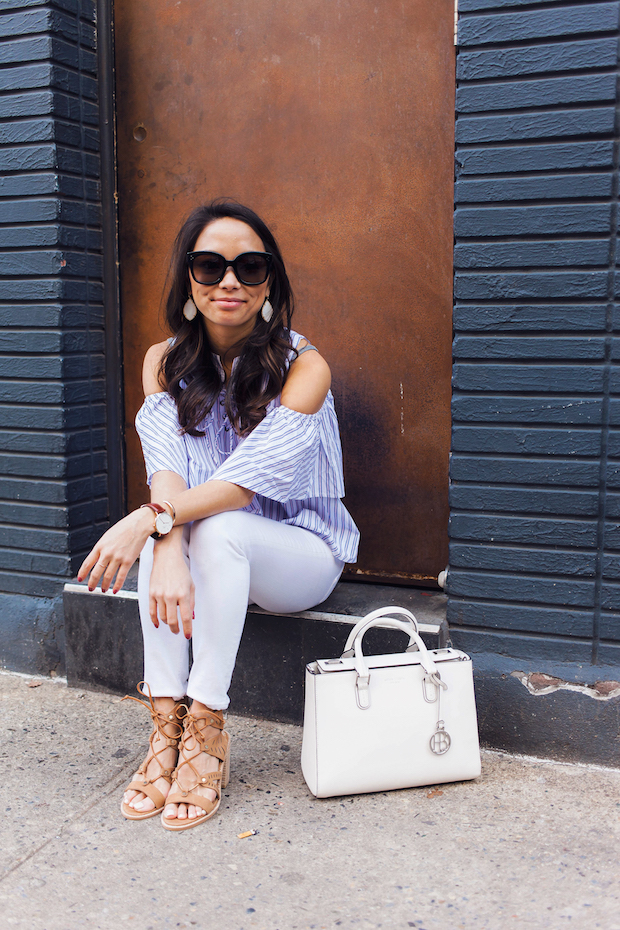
point(210, 267)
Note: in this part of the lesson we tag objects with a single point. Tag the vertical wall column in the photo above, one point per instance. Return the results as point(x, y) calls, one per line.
point(535, 503)
point(53, 484)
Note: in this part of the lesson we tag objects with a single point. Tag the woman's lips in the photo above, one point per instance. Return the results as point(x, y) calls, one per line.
point(228, 303)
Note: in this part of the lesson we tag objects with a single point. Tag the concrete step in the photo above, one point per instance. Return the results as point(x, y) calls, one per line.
point(104, 641)
point(529, 698)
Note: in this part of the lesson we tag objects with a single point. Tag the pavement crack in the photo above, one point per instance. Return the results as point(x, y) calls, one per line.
point(108, 788)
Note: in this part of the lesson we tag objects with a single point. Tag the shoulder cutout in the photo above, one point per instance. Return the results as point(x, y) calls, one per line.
point(150, 369)
point(308, 382)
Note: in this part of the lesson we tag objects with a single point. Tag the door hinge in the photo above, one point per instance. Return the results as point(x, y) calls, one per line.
point(456, 22)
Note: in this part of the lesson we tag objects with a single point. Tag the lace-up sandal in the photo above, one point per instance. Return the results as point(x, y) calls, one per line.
point(217, 746)
point(168, 727)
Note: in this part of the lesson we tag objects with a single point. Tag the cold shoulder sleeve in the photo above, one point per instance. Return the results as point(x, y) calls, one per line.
point(163, 444)
point(289, 456)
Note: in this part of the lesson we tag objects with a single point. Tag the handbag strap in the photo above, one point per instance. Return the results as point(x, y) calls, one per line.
point(355, 648)
point(409, 625)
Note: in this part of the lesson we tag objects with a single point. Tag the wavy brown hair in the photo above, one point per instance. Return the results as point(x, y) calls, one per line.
point(188, 371)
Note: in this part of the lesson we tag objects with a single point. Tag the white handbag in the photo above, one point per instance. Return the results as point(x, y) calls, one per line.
point(374, 723)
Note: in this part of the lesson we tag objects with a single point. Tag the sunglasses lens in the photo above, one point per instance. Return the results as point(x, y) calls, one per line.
point(207, 269)
point(252, 268)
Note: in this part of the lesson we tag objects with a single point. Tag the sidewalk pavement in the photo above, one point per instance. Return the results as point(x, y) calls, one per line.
point(528, 844)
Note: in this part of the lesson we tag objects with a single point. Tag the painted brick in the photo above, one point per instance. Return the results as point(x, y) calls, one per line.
point(537, 59)
point(610, 630)
point(538, 24)
point(511, 159)
point(561, 562)
point(611, 565)
point(533, 228)
point(39, 48)
point(535, 187)
point(502, 499)
point(528, 530)
point(514, 587)
point(36, 21)
point(53, 483)
point(515, 377)
point(512, 95)
point(530, 285)
point(552, 253)
point(528, 317)
point(538, 347)
point(472, 6)
point(521, 470)
point(535, 125)
point(529, 440)
point(539, 619)
point(542, 220)
point(474, 408)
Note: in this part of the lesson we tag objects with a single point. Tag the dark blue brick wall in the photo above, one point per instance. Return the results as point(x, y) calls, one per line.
point(53, 484)
point(535, 474)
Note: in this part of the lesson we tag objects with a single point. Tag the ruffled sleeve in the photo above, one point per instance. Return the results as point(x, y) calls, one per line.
point(163, 444)
point(289, 456)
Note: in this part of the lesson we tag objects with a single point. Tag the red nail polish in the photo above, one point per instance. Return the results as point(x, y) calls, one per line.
point(79, 578)
point(188, 636)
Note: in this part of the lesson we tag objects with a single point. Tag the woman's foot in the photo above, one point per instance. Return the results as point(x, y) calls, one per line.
point(161, 759)
point(198, 764)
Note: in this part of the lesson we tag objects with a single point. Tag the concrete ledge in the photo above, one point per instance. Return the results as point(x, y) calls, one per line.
point(530, 699)
point(104, 642)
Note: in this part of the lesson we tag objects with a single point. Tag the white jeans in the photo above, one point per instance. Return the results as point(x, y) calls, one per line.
point(235, 558)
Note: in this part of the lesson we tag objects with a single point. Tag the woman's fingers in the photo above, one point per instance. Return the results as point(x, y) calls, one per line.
point(172, 614)
point(153, 611)
point(186, 609)
point(116, 551)
point(169, 609)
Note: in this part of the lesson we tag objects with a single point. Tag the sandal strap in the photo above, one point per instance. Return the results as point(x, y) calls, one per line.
point(177, 797)
point(216, 746)
point(173, 718)
point(150, 791)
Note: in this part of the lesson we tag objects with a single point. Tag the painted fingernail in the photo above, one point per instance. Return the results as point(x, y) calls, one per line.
point(193, 616)
point(79, 577)
point(188, 636)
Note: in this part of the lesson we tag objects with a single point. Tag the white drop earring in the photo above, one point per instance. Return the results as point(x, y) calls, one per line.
point(266, 310)
point(189, 309)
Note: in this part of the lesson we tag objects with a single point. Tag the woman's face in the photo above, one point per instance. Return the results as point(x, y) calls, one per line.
point(229, 309)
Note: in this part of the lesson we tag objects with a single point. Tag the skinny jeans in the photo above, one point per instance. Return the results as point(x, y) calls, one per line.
point(234, 558)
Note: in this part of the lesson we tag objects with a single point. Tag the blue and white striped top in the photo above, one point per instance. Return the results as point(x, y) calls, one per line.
point(292, 461)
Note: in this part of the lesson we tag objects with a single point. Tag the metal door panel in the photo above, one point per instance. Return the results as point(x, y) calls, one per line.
point(334, 120)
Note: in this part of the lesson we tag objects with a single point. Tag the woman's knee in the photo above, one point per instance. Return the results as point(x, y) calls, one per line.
point(217, 534)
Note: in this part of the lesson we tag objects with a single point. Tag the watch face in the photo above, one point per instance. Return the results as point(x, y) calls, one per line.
point(163, 523)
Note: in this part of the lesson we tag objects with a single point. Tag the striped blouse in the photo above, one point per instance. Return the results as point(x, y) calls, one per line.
point(292, 461)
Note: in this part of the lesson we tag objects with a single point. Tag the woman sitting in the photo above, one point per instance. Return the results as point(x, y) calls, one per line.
point(243, 459)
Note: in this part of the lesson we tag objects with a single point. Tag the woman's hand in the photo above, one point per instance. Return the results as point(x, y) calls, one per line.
point(117, 550)
point(171, 589)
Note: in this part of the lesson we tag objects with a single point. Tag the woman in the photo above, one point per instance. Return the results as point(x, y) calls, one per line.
point(243, 459)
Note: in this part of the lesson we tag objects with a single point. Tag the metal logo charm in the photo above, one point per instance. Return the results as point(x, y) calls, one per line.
point(440, 741)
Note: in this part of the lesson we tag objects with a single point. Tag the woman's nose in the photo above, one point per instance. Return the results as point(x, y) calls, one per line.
point(229, 279)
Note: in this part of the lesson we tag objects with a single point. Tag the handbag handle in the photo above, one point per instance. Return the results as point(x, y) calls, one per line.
point(409, 626)
point(354, 647)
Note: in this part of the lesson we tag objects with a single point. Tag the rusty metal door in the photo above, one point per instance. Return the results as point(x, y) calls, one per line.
point(334, 120)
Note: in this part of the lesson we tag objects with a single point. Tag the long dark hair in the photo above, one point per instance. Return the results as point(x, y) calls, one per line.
point(260, 371)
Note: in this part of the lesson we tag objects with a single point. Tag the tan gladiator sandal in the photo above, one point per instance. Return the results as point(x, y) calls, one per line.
point(168, 727)
point(217, 746)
